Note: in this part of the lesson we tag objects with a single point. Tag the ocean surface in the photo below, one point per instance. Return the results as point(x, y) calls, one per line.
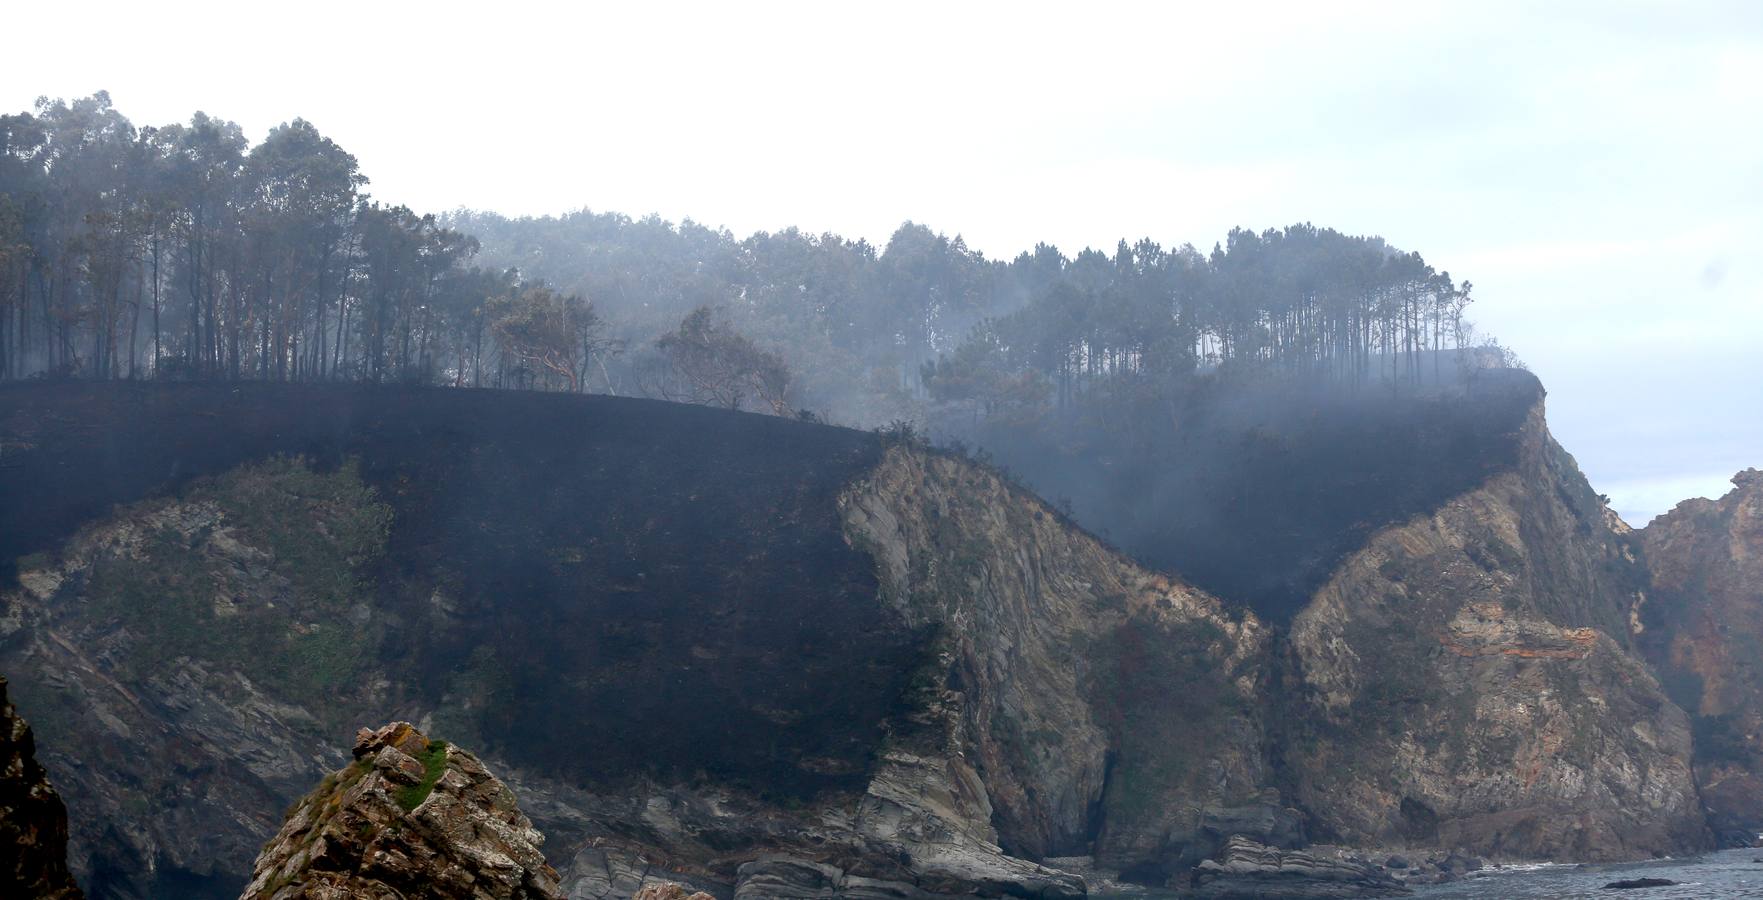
point(1729, 873)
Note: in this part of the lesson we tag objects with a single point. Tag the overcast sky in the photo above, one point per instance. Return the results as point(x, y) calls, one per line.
point(1596, 169)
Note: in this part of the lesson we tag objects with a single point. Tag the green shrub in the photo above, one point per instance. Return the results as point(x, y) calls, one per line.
point(434, 762)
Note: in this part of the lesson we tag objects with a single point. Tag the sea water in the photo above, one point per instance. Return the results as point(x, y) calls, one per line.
point(1729, 873)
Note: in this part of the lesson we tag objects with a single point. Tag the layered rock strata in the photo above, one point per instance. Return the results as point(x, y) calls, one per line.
point(1246, 870)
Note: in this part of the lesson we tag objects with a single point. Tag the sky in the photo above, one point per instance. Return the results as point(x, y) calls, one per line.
point(1595, 169)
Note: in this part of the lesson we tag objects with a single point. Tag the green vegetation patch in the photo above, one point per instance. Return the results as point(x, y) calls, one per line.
point(269, 589)
point(434, 762)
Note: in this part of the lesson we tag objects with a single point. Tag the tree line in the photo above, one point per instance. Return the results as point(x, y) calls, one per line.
point(181, 251)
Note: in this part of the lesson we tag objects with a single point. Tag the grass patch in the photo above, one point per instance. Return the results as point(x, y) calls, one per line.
point(434, 762)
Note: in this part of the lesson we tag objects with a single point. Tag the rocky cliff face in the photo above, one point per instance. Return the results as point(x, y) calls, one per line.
point(190, 656)
point(1093, 706)
point(1704, 632)
point(1467, 680)
point(410, 817)
point(762, 658)
point(787, 656)
point(33, 824)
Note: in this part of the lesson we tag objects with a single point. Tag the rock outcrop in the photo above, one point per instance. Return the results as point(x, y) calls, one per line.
point(409, 818)
point(1468, 680)
point(1246, 870)
point(1704, 632)
point(1074, 701)
point(33, 823)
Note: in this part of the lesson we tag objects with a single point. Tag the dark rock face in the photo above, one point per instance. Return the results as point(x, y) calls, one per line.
point(409, 817)
point(1704, 633)
point(1245, 870)
point(33, 824)
point(1466, 680)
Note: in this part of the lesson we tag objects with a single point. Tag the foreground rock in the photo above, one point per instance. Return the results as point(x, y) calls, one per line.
point(409, 818)
point(33, 824)
point(1246, 870)
point(1632, 883)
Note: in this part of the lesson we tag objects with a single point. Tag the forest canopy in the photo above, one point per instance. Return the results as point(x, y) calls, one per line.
point(182, 251)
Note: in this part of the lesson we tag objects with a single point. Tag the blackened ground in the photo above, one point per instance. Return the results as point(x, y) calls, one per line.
point(1255, 491)
point(624, 585)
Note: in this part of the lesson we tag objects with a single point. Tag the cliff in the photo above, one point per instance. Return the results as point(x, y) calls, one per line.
point(1469, 679)
point(760, 657)
point(410, 817)
point(1704, 631)
point(33, 823)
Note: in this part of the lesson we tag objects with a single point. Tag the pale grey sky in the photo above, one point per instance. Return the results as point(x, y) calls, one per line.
point(1595, 168)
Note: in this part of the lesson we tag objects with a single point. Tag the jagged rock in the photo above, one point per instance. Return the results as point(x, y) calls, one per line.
point(1246, 870)
point(33, 823)
point(409, 818)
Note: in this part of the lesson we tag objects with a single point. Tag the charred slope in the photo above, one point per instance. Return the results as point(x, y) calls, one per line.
point(1703, 623)
point(1257, 490)
point(630, 527)
point(603, 590)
